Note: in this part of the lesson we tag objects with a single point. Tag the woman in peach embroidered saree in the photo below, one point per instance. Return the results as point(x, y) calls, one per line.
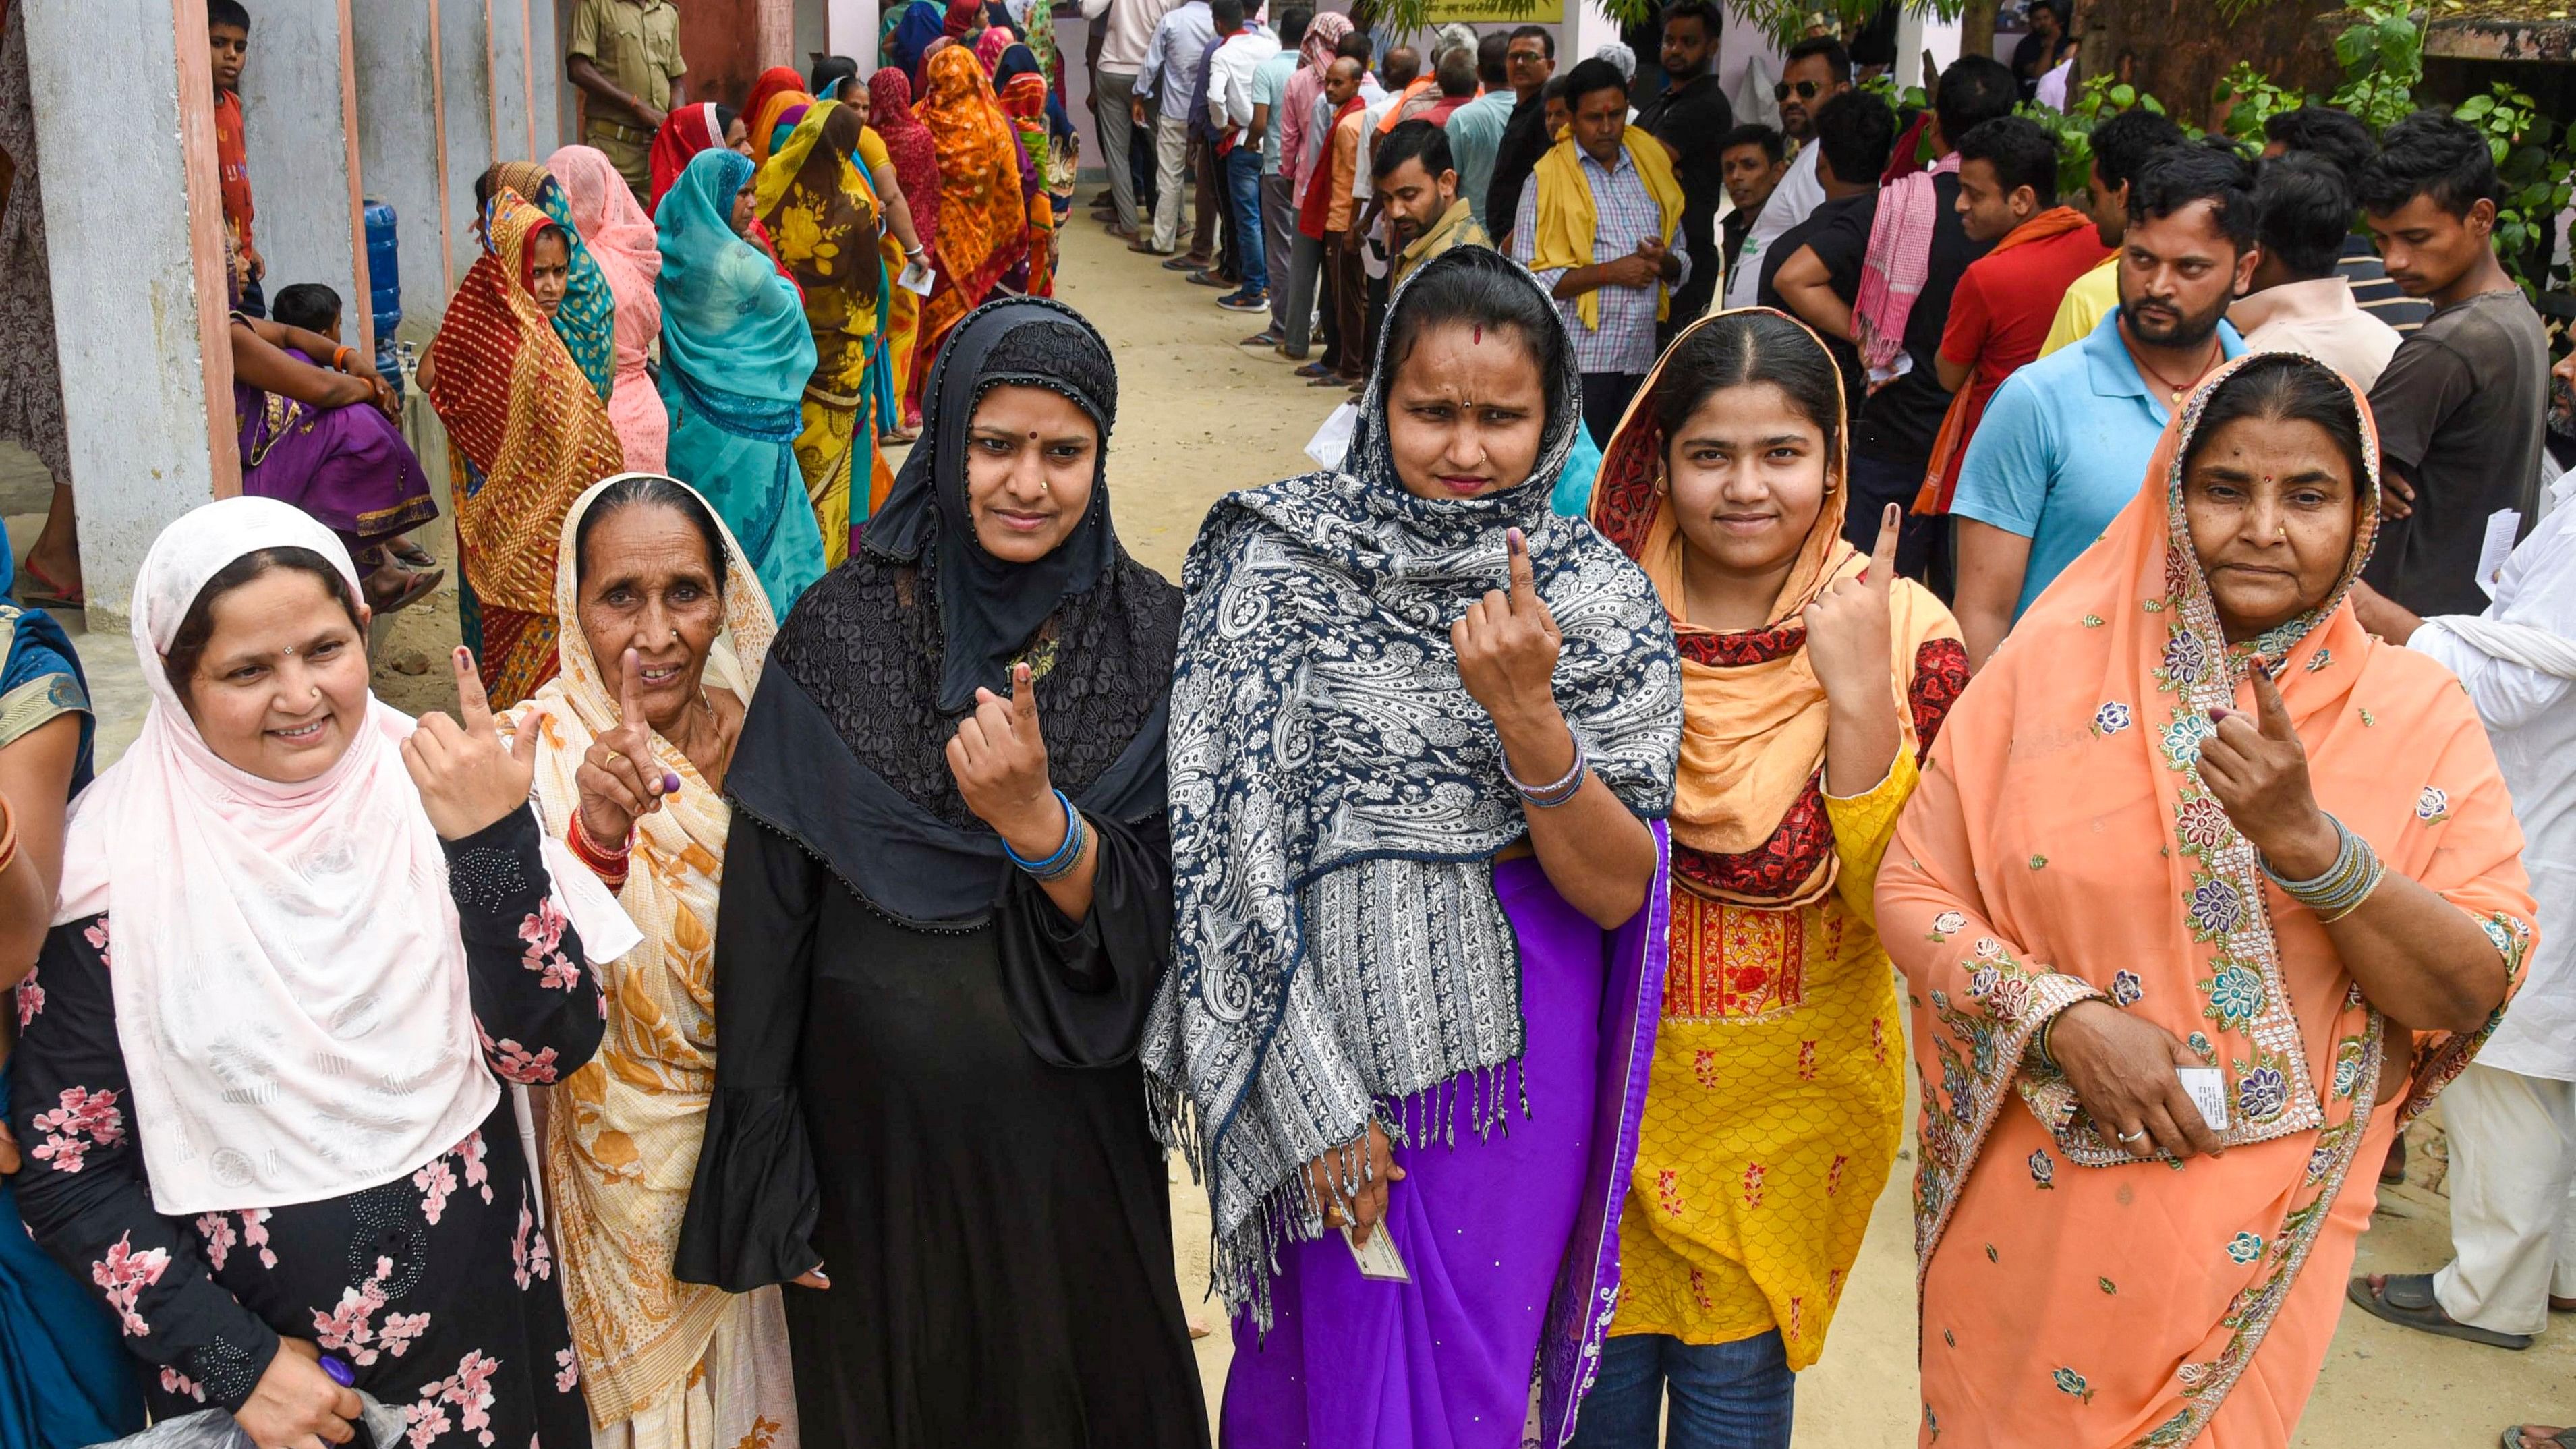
point(2131, 854)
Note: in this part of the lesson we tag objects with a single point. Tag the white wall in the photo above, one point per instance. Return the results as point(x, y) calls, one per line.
point(134, 226)
point(299, 153)
point(466, 82)
point(398, 146)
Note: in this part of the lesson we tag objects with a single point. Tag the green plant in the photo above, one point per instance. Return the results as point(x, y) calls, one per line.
point(2096, 99)
point(2248, 98)
point(2382, 55)
point(2534, 174)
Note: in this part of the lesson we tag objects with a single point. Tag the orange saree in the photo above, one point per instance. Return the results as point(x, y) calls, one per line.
point(527, 433)
point(983, 212)
point(2062, 847)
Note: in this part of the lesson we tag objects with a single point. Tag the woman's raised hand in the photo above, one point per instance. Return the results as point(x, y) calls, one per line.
point(1507, 645)
point(295, 1405)
point(1848, 628)
point(618, 779)
point(2122, 1068)
point(999, 759)
point(467, 778)
point(2259, 771)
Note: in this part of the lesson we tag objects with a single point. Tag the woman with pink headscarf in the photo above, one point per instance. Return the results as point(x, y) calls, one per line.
point(622, 240)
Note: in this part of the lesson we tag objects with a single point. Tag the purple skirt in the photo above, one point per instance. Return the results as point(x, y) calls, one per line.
point(348, 466)
point(1512, 1240)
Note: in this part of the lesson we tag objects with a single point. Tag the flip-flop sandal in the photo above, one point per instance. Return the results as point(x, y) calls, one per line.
point(410, 555)
point(47, 594)
point(2406, 1299)
point(412, 593)
point(1313, 370)
point(2515, 1436)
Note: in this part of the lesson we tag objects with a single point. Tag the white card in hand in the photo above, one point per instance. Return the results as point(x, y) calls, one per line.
point(2497, 546)
point(2207, 1088)
point(1378, 1260)
point(915, 278)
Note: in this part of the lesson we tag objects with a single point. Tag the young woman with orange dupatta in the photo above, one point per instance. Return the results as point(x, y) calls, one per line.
point(983, 210)
point(526, 433)
point(2190, 816)
point(1813, 679)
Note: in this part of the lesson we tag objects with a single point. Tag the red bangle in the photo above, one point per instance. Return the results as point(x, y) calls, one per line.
point(611, 866)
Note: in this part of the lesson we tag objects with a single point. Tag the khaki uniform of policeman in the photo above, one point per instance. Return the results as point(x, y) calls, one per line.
point(636, 44)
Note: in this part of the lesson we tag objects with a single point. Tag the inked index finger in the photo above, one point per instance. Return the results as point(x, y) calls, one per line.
point(1524, 579)
point(1024, 699)
point(2271, 709)
point(473, 706)
point(1882, 555)
point(630, 687)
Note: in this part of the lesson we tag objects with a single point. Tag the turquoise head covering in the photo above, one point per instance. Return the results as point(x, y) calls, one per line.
point(730, 322)
point(587, 320)
point(736, 355)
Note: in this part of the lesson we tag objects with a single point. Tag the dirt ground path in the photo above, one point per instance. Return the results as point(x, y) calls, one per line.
point(1199, 416)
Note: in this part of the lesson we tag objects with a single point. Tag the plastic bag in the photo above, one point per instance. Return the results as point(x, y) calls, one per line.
point(1333, 439)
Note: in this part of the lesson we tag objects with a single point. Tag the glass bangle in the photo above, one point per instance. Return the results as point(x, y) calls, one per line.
point(1558, 791)
point(1065, 856)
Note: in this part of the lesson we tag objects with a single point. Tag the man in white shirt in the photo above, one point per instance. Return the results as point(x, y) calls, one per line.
point(1170, 80)
point(2301, 300)
point(1122, 53)
point(1240, 51)
point(1818, 70)
point(2511, 1115)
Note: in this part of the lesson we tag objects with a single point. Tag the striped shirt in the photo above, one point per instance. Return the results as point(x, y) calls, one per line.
point(2373, 292)
point(1627, 214)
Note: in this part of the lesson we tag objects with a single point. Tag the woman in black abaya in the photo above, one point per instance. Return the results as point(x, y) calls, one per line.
point(947, 903)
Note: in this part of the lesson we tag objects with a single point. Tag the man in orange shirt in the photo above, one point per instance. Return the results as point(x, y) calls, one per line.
point(228, 39)
point(2005, 300)
point(1342, 237)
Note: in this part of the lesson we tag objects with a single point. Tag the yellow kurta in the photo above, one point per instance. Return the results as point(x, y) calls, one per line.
point(1776, 1105)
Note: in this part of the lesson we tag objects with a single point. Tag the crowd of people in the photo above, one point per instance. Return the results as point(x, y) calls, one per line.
point(1793, 603)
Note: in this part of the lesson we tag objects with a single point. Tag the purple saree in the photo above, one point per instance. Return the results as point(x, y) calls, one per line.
point(1512, 1240)
point(348, 467)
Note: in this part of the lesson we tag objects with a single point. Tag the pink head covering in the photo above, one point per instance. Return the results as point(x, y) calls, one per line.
point(268, 932)
point(990, 45)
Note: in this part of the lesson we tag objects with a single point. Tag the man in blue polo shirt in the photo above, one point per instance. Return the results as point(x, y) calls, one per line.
point(2064, 444)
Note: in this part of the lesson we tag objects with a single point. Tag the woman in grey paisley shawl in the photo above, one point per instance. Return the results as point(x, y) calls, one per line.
point(1422, 743)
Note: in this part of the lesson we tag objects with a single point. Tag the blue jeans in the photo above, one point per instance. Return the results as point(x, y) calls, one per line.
point(1243, 203)
point(1724, 1395)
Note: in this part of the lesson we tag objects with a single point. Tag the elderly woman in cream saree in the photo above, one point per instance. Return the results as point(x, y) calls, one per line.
point(663, 627)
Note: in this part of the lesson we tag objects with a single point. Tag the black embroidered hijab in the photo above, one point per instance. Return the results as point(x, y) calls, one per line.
point(845, 748)
point(1337, 797)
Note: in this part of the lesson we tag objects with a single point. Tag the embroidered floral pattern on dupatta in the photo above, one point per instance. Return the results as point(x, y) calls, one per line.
point(1974, 1042)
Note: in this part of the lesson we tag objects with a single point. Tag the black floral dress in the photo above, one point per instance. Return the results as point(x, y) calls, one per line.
point(437, 1288)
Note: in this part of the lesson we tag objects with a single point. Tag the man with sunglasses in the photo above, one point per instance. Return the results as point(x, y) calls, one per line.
point(1818, 70)
point(1529, 61)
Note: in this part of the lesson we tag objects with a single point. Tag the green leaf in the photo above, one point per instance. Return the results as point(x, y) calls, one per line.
point(2124, 96)
point(2474, 107)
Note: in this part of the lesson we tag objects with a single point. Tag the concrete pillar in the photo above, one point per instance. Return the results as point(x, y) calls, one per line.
point(398, 146)
point(852, 31)
point(299, 105)
point(546, 85)
point(514, 85)
point(1917, 32)
point(464, 83)
point(1586, 30)
point(140, 306)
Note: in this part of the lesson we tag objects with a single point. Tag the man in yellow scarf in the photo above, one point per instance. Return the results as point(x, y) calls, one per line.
point(1597, 223)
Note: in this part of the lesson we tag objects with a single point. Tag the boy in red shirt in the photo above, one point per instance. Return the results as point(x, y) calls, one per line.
point(2006, 299)
point(228, 37)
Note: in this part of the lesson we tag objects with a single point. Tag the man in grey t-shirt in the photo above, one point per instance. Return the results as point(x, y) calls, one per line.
point(2460, 406)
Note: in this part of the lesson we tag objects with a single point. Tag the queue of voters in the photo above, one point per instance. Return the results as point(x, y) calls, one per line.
point(1816, 661)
